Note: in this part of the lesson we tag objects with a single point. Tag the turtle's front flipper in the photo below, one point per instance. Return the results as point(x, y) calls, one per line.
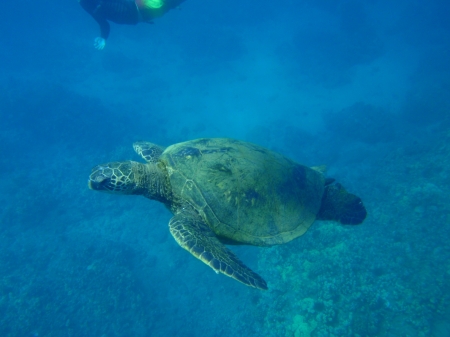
point(148, 151)
point(191, 233)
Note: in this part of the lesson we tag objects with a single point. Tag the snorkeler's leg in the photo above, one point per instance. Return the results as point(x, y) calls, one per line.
point(171, 4)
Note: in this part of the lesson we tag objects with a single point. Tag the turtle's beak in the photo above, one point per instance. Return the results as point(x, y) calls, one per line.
point(99, 179)
point(98, 183)
point(115, 177)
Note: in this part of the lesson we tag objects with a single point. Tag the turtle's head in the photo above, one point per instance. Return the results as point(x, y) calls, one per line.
point(115, 177)
point(339, 205)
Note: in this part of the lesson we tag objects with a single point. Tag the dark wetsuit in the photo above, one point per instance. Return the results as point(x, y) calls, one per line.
point(118, 11)
point(122, 12)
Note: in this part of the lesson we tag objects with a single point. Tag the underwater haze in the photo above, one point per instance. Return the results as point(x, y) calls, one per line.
point(362, 87)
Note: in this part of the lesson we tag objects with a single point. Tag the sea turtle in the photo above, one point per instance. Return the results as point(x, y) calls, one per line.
point(225, 191)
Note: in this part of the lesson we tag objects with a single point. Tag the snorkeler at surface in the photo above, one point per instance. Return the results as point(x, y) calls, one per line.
point(128, 12)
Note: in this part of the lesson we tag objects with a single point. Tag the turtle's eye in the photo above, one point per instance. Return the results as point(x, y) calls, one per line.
point(115, 177)
point(99, 181)
point(100, 178)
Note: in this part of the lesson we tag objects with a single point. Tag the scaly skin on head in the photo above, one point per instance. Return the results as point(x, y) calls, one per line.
point(131, 177)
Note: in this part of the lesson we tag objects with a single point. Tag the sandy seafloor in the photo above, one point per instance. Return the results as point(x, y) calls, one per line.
point(360, 86)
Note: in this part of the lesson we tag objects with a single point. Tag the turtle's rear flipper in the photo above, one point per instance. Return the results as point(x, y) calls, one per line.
point(195, 236)
point(339, 205)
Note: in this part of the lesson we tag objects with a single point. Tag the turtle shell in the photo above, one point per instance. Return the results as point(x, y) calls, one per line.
point(246, 193)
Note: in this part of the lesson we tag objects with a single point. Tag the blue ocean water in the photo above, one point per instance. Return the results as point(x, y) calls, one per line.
point(360, 86)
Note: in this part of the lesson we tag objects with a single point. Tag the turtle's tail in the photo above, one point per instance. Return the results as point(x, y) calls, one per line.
point(339, 205)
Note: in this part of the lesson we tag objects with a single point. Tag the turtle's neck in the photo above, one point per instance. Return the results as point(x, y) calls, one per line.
point(153, 182)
